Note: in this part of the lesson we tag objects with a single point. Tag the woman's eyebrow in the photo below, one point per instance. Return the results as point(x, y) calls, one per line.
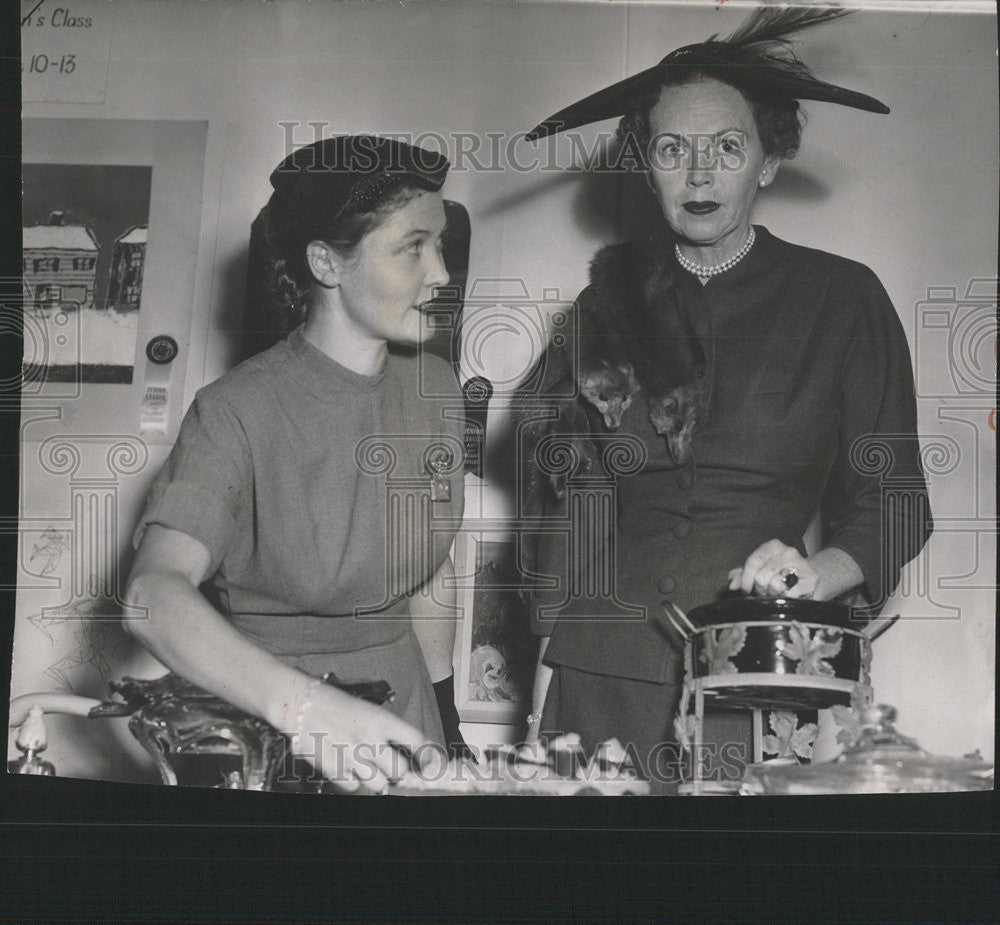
point(424, 232)
point(719, 133)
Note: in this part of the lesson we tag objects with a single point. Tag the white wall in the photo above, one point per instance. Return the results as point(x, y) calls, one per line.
point(913, 194)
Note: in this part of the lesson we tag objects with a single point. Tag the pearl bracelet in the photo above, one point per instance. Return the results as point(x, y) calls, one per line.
point(300, 716)
point(534, 718)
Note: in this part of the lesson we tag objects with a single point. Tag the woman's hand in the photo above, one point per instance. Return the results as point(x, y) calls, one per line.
point(775, 570)
point(822, 577)
point(351, 741)
point(354, 744)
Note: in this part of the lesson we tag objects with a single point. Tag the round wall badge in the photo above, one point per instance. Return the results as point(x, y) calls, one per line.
point(162, 349)
point(478, 389)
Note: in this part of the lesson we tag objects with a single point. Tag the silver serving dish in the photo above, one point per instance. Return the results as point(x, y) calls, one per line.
point(776, 653)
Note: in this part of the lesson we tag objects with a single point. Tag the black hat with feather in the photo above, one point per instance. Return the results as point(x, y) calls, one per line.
point(756, 56)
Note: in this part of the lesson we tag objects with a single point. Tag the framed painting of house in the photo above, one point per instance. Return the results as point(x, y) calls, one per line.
point(111, 222)
point(85, 230)
point(497, 649)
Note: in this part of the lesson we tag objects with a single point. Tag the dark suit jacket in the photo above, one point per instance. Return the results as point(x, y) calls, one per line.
point(810, 405)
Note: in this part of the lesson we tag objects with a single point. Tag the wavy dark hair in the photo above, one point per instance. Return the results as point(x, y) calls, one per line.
point(779, 119)
point(279, 277)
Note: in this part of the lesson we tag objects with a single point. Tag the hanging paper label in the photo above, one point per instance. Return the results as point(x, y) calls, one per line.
point(155, 406)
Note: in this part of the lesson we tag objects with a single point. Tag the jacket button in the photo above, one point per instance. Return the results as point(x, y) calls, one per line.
point(682, 529)
point(666, 584)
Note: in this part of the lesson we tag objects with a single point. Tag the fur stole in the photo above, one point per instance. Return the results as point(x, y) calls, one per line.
point(630, 317)
point(631, 334)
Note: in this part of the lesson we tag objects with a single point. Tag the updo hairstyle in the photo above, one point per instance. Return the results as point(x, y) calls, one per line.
point(296, 216)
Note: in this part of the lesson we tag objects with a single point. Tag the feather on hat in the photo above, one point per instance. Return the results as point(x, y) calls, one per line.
point(757, 56)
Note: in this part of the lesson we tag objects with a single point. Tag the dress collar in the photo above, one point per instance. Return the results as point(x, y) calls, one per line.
point(323, 373)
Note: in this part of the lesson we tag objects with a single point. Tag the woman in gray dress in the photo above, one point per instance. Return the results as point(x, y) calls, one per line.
point(282, 492)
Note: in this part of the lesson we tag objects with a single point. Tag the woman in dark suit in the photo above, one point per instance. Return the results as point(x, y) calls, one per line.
point(766, 372)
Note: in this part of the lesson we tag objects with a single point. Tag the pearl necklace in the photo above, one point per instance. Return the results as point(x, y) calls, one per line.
point(708, 272)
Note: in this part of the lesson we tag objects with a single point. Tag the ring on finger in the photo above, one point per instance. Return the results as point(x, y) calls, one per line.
point(788, 576)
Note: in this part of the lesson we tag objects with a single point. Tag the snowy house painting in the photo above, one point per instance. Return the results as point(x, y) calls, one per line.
point(127, 260)
point(84, 259)
point(60, 265)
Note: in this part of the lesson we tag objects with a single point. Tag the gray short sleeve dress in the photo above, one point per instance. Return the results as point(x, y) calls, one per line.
point(311, 486)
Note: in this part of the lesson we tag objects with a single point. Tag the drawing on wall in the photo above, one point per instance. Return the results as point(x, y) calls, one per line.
point(84, 251)
point(497, 663)
point(98, 640)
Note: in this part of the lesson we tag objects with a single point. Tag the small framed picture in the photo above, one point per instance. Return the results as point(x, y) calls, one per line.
point(498, 650)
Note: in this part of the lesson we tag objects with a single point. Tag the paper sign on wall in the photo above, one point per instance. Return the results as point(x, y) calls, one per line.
point(65, 46)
